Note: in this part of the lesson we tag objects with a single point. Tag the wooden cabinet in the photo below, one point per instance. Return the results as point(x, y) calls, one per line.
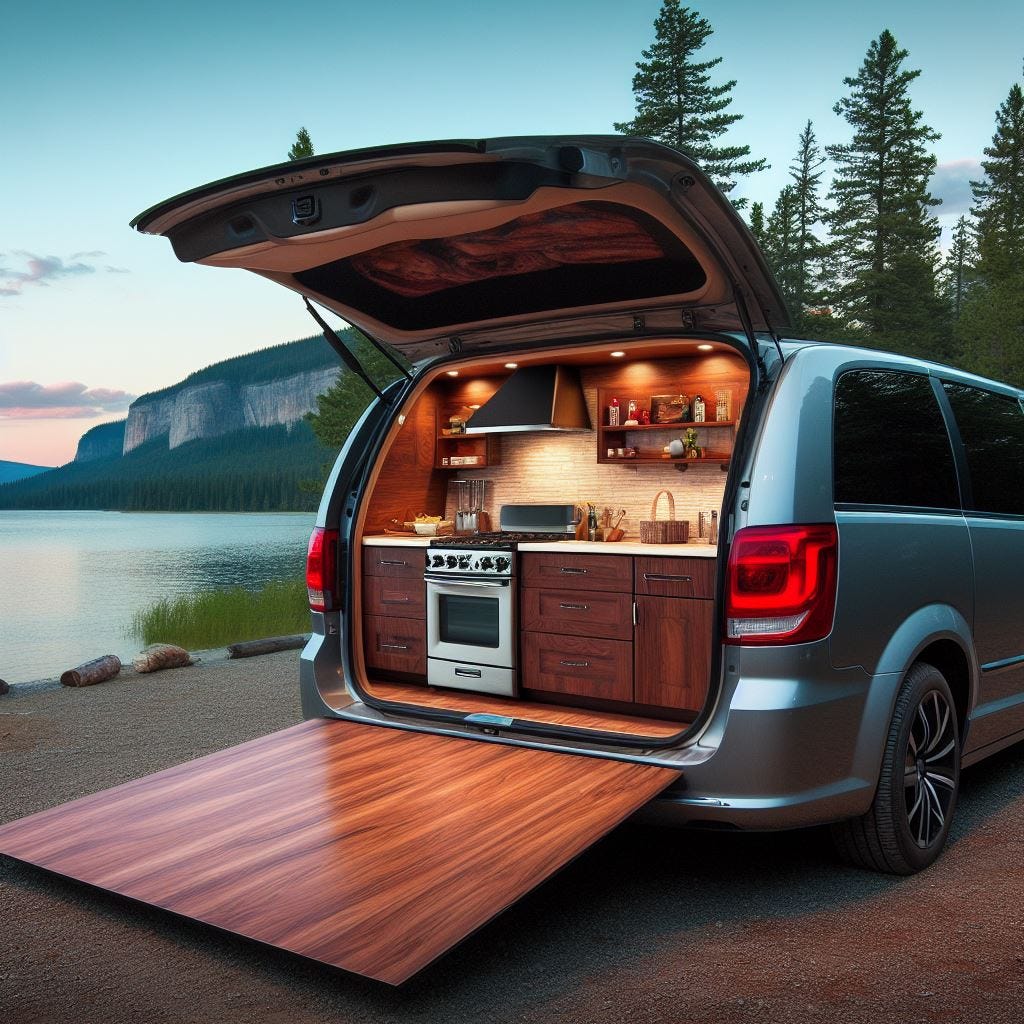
point(576, 572)
point(596, 614)
point(395, 644)
point(395, 610)
point(672, 651)
point(582, 666)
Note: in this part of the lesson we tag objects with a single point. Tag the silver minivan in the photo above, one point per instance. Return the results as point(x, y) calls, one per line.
point(825, 629)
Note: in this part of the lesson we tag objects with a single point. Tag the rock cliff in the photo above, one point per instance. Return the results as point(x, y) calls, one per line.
point(216, 407)
point(101, 442)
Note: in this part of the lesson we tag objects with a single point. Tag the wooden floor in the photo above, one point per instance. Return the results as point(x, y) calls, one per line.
point(525, 710)
point(369, 848)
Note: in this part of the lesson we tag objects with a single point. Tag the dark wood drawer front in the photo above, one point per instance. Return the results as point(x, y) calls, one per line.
point(406, 598)
point(673, 651)
point(676, 577)
point(582, 572)
point(405, 563)
point(394, 644)
point(598, 614)
point(578, 665)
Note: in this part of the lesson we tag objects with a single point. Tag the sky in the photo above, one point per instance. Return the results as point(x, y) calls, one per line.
point(111, 107)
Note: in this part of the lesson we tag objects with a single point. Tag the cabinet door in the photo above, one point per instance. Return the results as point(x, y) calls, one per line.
point(582, 666)
point(396, 596)
point(395, 562)
point(576, 572)
point(397, 645)
point(672, 651)
point(675, 577)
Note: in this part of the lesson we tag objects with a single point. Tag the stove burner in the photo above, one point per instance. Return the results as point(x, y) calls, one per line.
point(498, 540)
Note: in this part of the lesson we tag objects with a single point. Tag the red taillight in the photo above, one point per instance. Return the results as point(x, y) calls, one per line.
point(781, 585)
point(322, 569)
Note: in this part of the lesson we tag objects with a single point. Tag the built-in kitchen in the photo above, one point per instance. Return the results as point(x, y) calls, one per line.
point(540, 539)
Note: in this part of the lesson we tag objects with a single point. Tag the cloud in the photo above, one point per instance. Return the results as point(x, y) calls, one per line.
point(27, 400)
point(952, 184)
point(41, 270)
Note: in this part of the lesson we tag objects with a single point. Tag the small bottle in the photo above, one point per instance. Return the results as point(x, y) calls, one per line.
point(613, 413)
point(698, 409)
point(592, 524)
point(645, 417)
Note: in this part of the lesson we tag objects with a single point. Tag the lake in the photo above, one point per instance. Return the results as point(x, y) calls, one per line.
point(70, 582)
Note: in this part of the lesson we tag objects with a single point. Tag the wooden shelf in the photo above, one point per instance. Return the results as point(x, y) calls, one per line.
point(666, 426)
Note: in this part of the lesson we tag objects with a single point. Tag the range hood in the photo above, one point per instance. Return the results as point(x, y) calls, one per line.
point(533, 398)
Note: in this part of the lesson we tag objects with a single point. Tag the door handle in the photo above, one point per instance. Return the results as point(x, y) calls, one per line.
point(394, 647)
point(395, 600)
point(575, 607)
point(575, 664)
point(384, 561)
point(572, 572)
point(469, 673)
point(666, 577)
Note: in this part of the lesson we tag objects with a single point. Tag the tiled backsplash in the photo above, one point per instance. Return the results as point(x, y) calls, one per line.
point(546, 468)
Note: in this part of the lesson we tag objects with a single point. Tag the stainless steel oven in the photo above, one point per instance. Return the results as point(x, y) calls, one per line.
point(471, 628)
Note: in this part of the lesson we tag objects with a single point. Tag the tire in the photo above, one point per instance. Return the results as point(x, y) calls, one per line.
point(908, 822)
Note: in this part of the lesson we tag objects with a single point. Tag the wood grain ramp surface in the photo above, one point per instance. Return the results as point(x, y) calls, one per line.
point(368, 848)
point(526, 710)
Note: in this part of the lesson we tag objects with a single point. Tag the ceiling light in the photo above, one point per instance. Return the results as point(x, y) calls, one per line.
point(617, 355)
point(511, 366)
point(453, 373)
point(705, 348)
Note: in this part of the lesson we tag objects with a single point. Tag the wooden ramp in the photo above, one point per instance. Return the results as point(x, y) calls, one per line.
point(369, 848)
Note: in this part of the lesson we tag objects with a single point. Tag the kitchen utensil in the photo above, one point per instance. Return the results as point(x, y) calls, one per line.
point(664, 531)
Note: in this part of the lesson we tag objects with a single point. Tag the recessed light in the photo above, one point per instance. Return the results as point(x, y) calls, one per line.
point(705, 348)
point(617, 355)
point(453, 373)
point(511, 366)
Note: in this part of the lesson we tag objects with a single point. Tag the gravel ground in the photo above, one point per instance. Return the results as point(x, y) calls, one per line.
point(649, 925)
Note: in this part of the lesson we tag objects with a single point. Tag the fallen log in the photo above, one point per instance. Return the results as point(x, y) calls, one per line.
point(96, 671)
point(160, 656)
point(250, 648)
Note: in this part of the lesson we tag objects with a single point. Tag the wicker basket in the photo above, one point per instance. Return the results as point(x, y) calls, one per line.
point(664, 531)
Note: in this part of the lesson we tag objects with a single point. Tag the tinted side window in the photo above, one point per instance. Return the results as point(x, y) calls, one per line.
point(992, 429)
point(891, 445)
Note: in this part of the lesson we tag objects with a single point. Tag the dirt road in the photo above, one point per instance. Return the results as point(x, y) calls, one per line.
point(649, 925)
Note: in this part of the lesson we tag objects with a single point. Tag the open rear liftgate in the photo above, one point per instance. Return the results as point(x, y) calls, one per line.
point(369, 848)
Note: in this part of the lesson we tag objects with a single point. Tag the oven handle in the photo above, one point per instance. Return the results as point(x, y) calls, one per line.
point(448, 582)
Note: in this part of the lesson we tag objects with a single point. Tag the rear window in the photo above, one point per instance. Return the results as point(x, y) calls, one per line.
point(576, 255)
point(890, 443)
point(992, 430)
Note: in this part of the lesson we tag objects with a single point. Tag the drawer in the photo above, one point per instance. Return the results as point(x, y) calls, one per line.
point(676, 577)
point(405, 563)
point(394, 644)
point(576, 572)
point(581, 666)
point(597, 613)
point(406, 598)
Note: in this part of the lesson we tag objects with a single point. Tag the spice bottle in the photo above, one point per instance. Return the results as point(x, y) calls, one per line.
point(613, 413)
point(698, 409)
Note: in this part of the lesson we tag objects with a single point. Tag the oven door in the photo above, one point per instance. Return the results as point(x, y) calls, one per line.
point(470, 620)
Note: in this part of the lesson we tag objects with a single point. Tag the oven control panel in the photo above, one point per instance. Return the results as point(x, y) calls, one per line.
point(475, 563)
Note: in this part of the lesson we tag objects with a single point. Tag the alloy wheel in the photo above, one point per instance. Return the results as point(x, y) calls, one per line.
point(929, 777)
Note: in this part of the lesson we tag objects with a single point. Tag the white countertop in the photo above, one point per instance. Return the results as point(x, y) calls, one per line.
point(623, 547)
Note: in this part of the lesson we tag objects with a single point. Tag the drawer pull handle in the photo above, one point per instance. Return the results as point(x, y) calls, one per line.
point(572, 572)
point(394, 647)
point(469, 673)
point(575, 607)
point(385, 561)
point(395, 600)
point(666, 577)
point(575, 664)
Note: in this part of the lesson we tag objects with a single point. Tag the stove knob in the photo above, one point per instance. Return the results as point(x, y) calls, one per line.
point(463, 561)
point(437, 562)
point(451, 561)
point(486, 564)
point(502, 564)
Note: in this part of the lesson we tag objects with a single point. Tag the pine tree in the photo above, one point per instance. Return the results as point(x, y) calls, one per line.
point(781, 244)
point(958, 267)
point(884, 234)
point(991, 327)
point(302, 146)
point(757, 223)
point(806, 172)
point(677, 104)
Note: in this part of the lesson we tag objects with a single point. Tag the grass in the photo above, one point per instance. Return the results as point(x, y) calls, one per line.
point(215, 618)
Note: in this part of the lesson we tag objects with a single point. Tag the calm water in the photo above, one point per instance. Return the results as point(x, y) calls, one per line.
point(71, 581)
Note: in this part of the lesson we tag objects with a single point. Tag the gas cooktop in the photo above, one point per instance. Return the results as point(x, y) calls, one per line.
point(498, 540)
